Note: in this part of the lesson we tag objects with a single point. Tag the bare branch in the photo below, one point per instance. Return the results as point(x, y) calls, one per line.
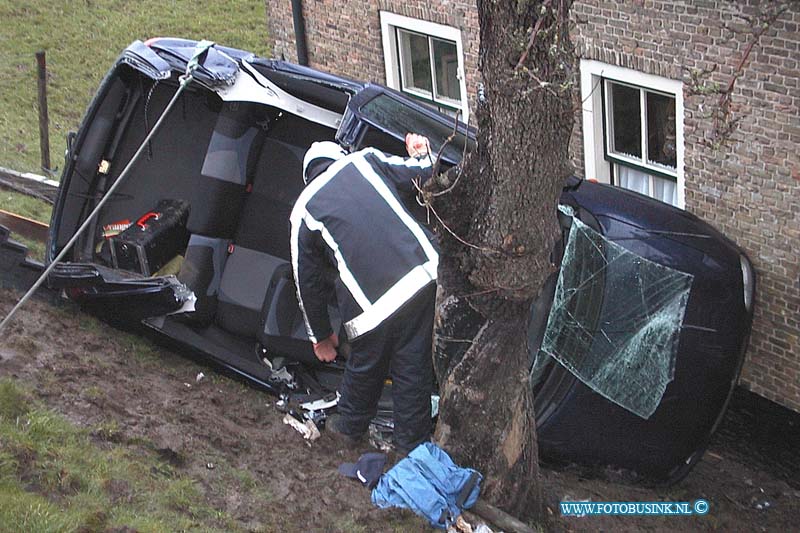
point(460, 171)
point(536, 28)
point(724, 123)
point(427, 204)
point(447, 141)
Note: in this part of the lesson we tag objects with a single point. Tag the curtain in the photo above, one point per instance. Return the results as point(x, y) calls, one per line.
point(635, 180)
point(663, 189)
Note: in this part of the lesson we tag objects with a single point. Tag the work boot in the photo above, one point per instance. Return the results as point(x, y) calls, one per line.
point(332, 426)
point(403, 451)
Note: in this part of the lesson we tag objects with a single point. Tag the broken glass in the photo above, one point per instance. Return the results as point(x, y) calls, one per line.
point(615, 320)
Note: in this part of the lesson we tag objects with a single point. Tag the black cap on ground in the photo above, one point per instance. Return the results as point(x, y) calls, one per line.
point(368, 469)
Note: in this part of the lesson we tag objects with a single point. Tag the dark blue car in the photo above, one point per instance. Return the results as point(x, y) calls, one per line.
point(635, 345)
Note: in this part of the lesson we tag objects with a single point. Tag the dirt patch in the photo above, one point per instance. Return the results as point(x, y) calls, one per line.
point(131, 393)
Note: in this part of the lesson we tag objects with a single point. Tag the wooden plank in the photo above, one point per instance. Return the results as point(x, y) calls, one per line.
point(28, 178)
point(29, 183)
point(26, 227)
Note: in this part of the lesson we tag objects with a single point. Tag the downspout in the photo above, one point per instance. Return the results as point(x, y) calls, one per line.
point(300, 32)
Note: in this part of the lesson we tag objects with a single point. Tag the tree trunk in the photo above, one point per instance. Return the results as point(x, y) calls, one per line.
point(497, 225)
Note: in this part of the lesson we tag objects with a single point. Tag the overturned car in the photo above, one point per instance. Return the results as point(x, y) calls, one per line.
point(635, 345)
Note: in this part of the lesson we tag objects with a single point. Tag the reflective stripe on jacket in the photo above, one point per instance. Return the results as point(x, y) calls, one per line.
point(352, 217)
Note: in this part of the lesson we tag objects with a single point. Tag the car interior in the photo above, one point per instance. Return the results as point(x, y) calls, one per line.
point(237, 167)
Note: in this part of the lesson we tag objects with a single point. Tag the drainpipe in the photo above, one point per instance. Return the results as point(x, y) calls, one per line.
point(300, 32)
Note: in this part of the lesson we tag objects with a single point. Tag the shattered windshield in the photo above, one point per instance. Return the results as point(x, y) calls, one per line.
point(615, 320)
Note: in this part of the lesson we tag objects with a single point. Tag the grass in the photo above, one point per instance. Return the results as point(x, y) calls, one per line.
point(82, 38)
point(35, 248)
point(30, 207)
point(53, 477)
point(25, 205)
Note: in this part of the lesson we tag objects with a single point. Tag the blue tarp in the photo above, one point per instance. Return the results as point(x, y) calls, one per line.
point(429, 483)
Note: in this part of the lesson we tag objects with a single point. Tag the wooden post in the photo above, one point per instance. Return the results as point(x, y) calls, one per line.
point(499, 518)
point(44, 130)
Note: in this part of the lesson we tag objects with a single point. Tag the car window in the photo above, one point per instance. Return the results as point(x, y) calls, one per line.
point(398, 118)
point(616, 320)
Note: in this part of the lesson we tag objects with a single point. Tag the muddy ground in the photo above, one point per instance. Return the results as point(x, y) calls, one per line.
point(100, 377)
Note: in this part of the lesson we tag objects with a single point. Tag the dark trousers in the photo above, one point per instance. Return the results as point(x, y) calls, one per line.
point(401, 347)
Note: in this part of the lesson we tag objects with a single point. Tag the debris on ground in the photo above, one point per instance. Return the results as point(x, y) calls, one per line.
point(308, 428)
point(137, 391)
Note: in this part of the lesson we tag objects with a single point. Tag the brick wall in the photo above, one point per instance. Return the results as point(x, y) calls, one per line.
point(345, 38)
point(749, 187)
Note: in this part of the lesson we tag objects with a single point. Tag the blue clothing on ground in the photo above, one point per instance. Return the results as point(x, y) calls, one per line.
point(429, 483)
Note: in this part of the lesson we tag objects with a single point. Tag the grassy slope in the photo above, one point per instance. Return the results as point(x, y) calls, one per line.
point(97, 488)
point(25, 205)
point(82, 38)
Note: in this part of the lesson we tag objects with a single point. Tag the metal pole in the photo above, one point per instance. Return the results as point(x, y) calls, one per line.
point(300, 32)
point(44, 129)
point(185, 80)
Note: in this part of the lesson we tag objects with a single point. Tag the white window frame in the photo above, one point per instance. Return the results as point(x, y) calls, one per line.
point(391, 21)
point(592, 75)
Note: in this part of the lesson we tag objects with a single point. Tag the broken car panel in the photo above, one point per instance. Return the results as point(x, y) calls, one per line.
point(231, 150)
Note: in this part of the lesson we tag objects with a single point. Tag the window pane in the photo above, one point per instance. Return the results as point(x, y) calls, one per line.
point(415, 61)
point(663, 189)
point(445, 56)
point(398, 118)
point(626, 119)
point(661, 130)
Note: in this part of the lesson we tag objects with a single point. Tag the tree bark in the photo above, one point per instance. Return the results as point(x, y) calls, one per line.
point(498, 223)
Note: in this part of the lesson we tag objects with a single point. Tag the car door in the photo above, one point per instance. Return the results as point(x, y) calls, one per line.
point(380, 117)
point(90, 152)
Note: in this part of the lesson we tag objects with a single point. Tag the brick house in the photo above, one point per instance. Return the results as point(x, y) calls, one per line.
point(656, 71)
